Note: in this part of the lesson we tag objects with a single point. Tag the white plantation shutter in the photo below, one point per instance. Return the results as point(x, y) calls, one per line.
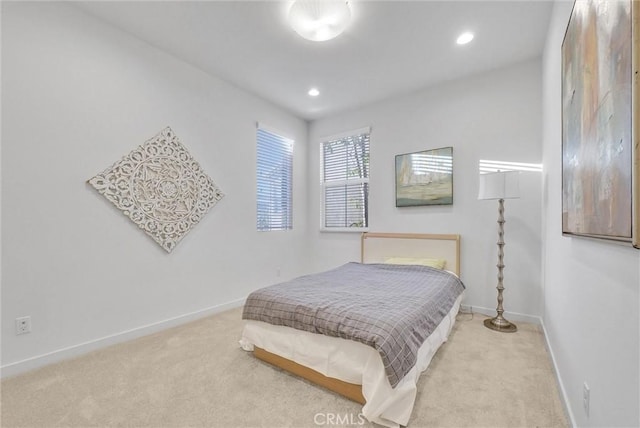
point(345, 182)
point(274, 181)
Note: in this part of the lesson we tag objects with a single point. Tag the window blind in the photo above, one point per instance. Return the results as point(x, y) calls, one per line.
point(345, 182)
point(274, 171)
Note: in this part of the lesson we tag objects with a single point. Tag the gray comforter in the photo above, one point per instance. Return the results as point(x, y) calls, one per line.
point(392, 308)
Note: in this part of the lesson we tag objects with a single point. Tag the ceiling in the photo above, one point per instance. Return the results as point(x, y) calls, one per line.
point(390, 48)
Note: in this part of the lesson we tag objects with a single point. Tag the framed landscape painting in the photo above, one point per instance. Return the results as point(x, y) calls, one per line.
point(599, 122)
point(425, 178)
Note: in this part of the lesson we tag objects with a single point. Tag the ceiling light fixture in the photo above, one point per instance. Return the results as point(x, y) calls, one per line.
point(319, 20)
point(314, 92)
point(464, 38)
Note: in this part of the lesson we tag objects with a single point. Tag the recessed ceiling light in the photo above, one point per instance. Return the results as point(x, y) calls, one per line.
point(464, 38)
point(314, 92)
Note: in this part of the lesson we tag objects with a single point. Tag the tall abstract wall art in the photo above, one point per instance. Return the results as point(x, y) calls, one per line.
point(160, 187)
point(598, 121)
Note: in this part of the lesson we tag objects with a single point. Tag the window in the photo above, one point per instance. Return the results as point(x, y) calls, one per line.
point(274, 181)
point(345, 181)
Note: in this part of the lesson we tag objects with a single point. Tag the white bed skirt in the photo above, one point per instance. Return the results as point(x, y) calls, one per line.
point(352, 362)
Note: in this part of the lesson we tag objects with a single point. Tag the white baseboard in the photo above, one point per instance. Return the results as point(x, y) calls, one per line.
point(563, 391)
point(38, 361)
point(511, 316)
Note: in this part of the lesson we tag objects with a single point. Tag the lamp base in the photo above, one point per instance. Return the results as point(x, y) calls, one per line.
point(500, 324)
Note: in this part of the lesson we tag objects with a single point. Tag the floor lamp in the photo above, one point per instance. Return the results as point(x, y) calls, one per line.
point(500, 185)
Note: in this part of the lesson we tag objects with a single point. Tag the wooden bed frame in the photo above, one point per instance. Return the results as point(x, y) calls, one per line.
point(376, 247)
point(349, 390)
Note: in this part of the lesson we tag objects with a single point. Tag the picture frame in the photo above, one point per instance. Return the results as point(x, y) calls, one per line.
point(425, 178)
point(600, 155)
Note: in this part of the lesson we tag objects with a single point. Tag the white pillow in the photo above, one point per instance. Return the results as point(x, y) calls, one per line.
point(434, 263)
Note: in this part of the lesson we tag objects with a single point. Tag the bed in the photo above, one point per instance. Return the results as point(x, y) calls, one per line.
point(363, 359)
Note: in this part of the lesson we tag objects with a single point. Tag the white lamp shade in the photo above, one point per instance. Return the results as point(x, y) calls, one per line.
point(319, 20)
point(500, 185)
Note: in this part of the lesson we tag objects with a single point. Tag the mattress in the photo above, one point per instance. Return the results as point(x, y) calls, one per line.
point(353, 362)
point(392, 308)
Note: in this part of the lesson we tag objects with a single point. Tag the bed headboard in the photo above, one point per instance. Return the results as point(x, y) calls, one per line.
point(377, 247)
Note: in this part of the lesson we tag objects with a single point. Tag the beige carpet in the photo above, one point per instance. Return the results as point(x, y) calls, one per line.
point(196, 375)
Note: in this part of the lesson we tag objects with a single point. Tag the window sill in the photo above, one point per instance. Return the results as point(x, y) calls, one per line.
point(344, 229)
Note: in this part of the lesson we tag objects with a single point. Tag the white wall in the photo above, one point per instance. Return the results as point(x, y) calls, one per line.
point(495, 116)
point(590, 287)
point(78, 95)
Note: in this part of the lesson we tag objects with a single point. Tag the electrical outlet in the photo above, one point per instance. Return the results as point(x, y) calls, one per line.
point(586, 393)
point(23, 325)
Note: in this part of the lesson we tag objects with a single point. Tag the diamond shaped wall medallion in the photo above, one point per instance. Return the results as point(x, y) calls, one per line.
point(160, 187)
